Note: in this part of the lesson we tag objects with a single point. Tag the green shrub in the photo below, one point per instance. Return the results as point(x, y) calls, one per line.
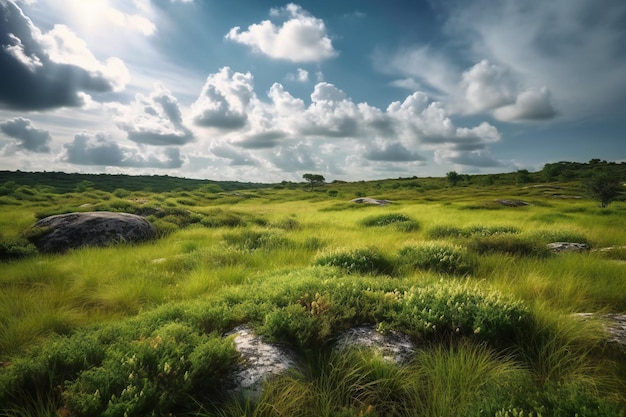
point(356, 261)
point(221, 218)
point(400, 221)
point(121, 193)
point(511, 245)
point(152, 375)
point(436, 256)
point(447, 231)
point(288, 223)
point(548, 236)
point(564, 400)
point(253, 240)
point(10, 250)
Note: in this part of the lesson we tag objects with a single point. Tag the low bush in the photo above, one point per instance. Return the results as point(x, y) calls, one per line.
point(288, 223)
point(221, 218)
point(10, 250)
point(552, 235)
point(253, 240)
point(158, 373)
point(510, 245)
point(436, 256)
point(399, 221)
point(356, 261)
point(447, 231)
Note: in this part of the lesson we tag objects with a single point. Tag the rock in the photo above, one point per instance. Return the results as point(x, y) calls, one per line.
point(561, 247)
point(393, 346)
point(260, 361)
point(614, 325)
point(100, 228)
point(512, 203)
point(368, 200)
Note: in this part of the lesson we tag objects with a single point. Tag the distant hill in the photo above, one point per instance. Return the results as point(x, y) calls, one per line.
point(63, 182)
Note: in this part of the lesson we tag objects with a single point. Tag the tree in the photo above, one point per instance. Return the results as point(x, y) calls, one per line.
point(604, 188)
point(453, 178)
point(314, 179)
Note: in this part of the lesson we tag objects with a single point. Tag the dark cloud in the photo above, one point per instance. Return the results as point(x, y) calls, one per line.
point(102, 151)
point(30, 138)
point(30, 78)
point(394, 152)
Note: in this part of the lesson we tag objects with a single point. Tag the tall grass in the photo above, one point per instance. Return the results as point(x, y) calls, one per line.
point(490, 309)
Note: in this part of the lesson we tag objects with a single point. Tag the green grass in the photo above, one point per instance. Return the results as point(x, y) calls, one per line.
point(490, 310)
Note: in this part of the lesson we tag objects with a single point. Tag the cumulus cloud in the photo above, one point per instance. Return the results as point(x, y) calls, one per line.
point(48, 70)
point(529, 105)
point(574, 49)
point(489, 87)
point(224, 100)
point(302, 38)
point(101, 150)
point(331, 113)
point(29, 137)
point(154, 120)
point(294, 136)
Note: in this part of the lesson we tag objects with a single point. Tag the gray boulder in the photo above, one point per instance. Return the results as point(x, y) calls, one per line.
point(102, 228)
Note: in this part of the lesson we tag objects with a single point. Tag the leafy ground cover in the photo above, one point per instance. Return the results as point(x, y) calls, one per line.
point(138, 330)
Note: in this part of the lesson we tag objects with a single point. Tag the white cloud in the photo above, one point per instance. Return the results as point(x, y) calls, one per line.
point(17, 51)
point(302, 38)
point(490, 88)
point(224, 100)
point(573, 48)
point(101, 150)
point(154, 120)
point(485, 87)
point(301, 75)
point(29, 137)
point(62, 46)
point(529, 105)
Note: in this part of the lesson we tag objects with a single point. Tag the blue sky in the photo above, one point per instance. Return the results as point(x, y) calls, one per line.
point(352, 89)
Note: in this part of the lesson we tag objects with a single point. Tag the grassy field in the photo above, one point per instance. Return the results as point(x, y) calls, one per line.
point(137, 329)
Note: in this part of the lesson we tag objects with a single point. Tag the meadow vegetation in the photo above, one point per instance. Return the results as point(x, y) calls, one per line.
point(138, 330)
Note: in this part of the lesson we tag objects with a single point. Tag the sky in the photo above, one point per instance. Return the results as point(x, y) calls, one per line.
point(266, 91)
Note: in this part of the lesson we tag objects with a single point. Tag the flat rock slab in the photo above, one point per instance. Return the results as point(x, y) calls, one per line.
point(561, 247)
point(393, 346)
point(100, 228)
point(368, 200)
point(512, 203)
point(260, 361)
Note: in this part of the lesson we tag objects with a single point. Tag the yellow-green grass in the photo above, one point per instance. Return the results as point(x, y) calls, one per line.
point(283, 231)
